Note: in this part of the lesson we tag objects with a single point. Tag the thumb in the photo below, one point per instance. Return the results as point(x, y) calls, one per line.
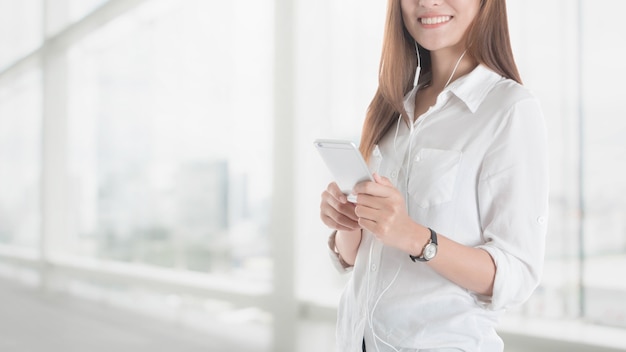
point(382, 180)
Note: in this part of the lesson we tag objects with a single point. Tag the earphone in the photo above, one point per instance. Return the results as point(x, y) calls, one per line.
point(418, 69)
point(413, 130)
point(370, 315)
point(419, 66)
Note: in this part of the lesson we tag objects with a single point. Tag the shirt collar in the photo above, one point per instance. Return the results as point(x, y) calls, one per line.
point(472, 88)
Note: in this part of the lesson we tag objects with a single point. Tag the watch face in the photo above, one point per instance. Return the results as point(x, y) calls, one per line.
point(430, 251)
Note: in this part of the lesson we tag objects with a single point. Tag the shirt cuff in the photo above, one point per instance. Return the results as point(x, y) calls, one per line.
point(514, 281)
point(335, 257)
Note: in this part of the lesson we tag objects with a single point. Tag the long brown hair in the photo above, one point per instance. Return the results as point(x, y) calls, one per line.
point(487, 42)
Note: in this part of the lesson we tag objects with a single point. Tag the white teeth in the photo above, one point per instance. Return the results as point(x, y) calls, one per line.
point(435, 20)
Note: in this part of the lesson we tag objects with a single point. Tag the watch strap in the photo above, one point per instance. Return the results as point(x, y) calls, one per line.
point(433, 240)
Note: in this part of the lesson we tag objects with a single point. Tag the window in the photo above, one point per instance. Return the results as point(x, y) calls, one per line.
point(62, 13)
point(20, 29)
point(20, 158)
point(337, 72)
point(169, 138)
point(603, 170)
point(141, 133)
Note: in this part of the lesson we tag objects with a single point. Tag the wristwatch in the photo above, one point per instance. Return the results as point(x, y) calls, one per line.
point(430, 249)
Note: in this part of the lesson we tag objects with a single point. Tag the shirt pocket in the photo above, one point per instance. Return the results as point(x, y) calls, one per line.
point(433, 176)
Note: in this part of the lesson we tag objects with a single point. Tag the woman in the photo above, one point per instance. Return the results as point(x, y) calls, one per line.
point(452, 231)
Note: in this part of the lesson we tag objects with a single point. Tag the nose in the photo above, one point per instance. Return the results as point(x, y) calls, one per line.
point(429, 3)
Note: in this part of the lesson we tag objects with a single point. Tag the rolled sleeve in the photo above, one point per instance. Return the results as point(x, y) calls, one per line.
point(335, 257)
point(513, 205)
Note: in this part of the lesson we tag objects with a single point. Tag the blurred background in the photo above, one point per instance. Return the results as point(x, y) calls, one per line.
point(159, 190)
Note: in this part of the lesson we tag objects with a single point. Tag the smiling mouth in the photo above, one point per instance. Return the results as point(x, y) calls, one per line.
point(435, 20)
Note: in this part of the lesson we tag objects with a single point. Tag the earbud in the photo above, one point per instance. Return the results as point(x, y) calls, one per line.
point(419, 66)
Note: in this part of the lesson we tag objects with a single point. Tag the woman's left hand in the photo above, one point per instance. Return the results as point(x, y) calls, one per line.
point(381, 209)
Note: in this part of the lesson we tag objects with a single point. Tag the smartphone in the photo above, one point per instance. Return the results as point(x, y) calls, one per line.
point(345, 163)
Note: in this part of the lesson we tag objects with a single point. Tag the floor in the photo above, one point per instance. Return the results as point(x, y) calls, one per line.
point(33, 321)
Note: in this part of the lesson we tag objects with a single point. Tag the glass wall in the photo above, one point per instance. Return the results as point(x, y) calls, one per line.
point(603, 185)
point(164, 119)
point(20, 158)
point(20, 29)
point(337, 70)
point(61, 14)
point(162, 114)
point(169, 138)
point(547, 53)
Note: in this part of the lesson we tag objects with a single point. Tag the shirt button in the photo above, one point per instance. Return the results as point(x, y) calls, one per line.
point(373, 267)
point(418, 158)
point(376, 152)
point(394, 174)
point(541, 220)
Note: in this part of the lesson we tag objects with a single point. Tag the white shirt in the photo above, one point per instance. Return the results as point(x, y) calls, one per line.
point(477, 174)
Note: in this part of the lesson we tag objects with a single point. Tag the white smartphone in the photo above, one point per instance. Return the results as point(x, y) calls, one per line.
point(345, 162)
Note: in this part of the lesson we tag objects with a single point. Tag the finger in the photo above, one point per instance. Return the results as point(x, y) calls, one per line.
point(341, 223)
point(367, 213)
point(347, 229)
point(367, 187)
point(382, 180)
point(341, 214)
point(346, 209)
point(369, 201)
point(368, 225)
point(382, 188)
point(334, 190)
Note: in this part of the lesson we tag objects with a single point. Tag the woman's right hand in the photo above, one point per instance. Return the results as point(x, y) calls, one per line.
point(335, 210)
